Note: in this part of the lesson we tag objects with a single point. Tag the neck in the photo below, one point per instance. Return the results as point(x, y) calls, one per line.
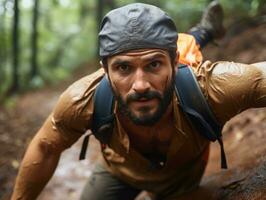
point(153, 139)
point(130, 126)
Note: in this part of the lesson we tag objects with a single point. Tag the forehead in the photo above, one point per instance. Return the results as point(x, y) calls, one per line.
point(143, 54)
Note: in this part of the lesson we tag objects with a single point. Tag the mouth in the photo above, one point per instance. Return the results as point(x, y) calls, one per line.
point(144, 99)
point(145, 102)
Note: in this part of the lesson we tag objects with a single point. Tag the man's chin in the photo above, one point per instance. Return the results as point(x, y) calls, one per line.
point(147, 119)
point(144, 122)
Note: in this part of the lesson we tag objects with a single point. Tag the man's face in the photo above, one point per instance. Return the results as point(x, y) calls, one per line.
point(142, 81)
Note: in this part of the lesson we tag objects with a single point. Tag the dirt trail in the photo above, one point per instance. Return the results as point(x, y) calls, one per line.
point(19, 124)
point(244, 137)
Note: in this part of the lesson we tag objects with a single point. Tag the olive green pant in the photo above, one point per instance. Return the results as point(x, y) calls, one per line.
point(104, 186)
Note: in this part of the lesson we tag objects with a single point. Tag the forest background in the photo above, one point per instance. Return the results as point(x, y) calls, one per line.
point(42, 42)
point(45, 45)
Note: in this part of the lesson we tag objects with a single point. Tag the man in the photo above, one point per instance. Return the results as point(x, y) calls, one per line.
point(153, 146)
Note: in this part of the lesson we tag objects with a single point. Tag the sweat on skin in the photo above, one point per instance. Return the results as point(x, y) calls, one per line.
point(143, 83)
point(228, 87)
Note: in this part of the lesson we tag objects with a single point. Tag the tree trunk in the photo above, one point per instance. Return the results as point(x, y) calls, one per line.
point(3, 42)
point(99, 16)
point(34, 42)
point(15, 49)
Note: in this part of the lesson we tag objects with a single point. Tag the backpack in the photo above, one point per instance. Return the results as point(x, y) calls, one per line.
point(192, 103)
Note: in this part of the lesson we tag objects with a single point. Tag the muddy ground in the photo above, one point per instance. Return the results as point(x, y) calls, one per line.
point(244, 136)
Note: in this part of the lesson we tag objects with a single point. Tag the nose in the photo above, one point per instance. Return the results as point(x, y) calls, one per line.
point(141, 83)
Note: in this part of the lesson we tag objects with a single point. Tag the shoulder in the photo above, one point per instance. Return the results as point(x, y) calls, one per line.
point(74, 108)
point(83, 86)
point(225, 72)
point(228, 86)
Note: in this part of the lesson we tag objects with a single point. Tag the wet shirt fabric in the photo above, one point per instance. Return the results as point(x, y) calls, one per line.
point(229, 89)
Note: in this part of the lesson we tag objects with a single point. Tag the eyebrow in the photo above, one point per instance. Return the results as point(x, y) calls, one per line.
point(120, 62)
point(155, 56)
point(149, 58)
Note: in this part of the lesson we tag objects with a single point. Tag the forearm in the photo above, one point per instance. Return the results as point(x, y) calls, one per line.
point(36, 169)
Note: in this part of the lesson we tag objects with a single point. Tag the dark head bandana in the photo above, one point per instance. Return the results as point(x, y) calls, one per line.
point(136, 26)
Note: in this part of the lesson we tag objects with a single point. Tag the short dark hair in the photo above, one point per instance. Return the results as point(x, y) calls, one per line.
point(172, 55)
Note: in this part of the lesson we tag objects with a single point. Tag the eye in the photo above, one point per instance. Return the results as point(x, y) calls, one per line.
point(154, 64)
point(123, 68)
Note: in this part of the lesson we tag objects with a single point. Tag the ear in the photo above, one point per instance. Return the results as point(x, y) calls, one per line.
point(105, 69)
point(177, 58)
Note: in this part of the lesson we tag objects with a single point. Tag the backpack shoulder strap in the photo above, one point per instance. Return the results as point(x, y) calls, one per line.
point(195, 106)
point(103, 106)
point(103, 116)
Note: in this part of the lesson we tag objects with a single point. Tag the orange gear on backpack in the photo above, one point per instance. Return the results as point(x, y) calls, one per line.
point(189, 50)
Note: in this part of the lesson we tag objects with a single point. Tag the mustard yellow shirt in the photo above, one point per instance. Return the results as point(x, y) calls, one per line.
point(228, 87)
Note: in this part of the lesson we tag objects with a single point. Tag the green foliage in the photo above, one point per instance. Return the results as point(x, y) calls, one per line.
point(10, 102)
point(239, 9)
point(185, 13)
point(36, 82)
point(67, 33)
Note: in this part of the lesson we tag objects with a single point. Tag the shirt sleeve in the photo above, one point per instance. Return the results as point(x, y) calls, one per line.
point(231, 88)
point(72, 115)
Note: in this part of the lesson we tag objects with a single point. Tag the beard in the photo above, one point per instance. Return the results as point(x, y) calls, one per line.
point(146, 118)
